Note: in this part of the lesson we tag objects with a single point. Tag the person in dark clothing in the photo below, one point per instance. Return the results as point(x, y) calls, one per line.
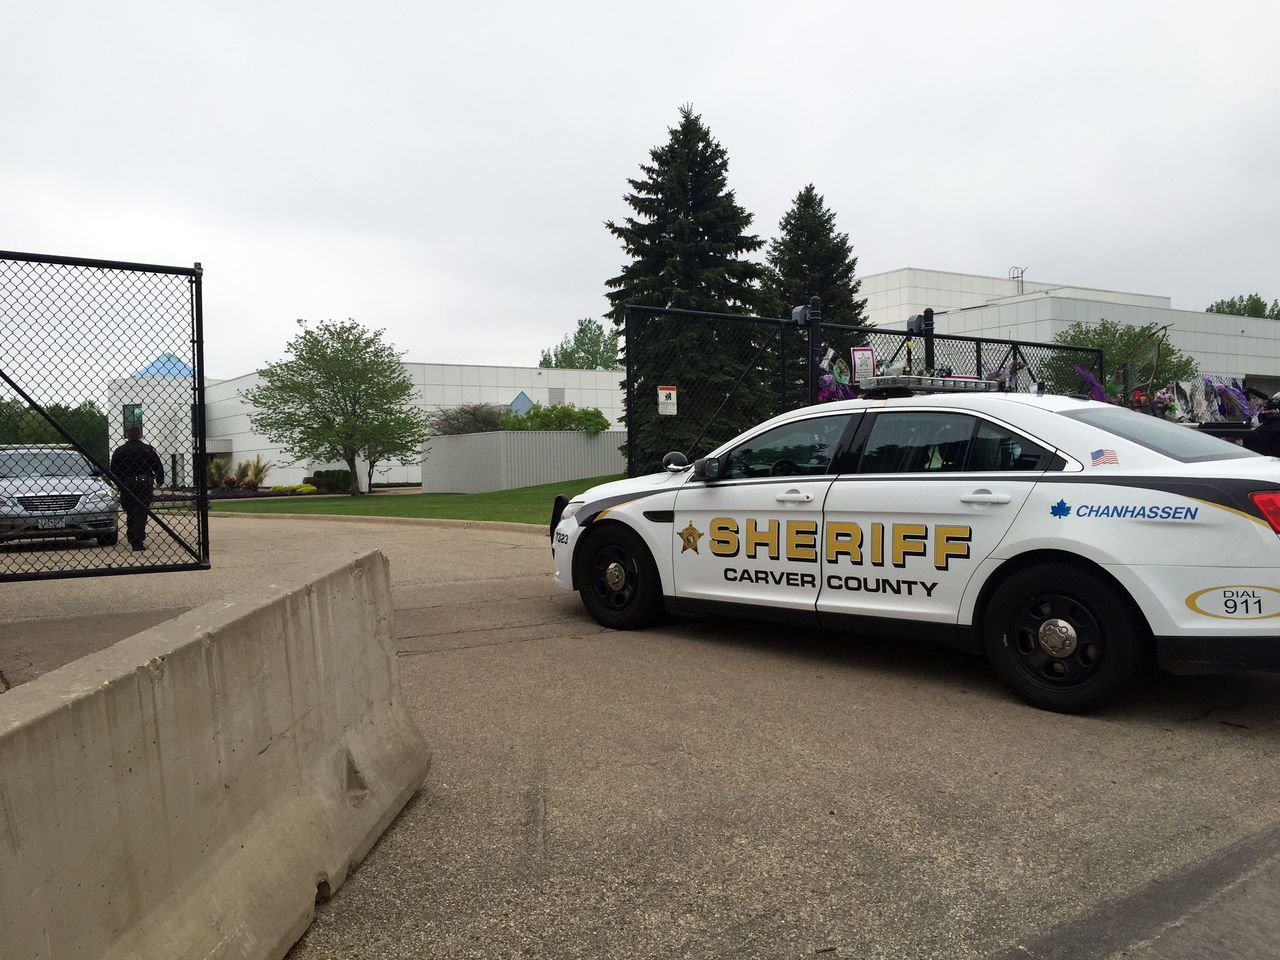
point(135, 466)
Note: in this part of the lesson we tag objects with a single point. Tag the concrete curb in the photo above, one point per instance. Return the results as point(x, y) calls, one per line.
point(408, 521)
point(192, 790)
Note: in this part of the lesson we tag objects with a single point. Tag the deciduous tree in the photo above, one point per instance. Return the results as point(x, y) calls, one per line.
point(587, 348)
point(342, 394)
point(1246, 305)
point(1135, 357)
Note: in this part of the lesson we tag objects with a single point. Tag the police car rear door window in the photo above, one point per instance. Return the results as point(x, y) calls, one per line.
point(917, 442)
point(1185, 444)
point(903, 536)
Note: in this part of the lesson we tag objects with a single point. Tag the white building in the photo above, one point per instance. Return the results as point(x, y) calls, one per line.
point(1010, 309)
point(437, 386)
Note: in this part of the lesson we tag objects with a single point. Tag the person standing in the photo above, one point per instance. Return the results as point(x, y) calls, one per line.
point(136, 467)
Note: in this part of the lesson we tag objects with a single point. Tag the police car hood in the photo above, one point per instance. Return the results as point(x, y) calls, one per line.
point(632, 485)
point(49, 486)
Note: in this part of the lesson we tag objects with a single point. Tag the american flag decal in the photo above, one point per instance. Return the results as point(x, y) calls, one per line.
point(1105, 456)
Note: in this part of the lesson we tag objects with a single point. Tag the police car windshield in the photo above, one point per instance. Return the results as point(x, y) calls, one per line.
point(1176, 441)
point(42, 463)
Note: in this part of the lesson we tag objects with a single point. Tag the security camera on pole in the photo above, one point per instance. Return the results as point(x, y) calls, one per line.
point(921, 324)
point(810, 318)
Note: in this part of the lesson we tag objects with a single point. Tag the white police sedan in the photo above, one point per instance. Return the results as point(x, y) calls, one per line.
point(1072, 542)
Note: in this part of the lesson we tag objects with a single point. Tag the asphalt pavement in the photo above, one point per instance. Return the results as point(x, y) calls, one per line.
point(732, 789)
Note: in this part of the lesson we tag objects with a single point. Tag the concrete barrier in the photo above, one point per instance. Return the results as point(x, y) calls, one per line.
point(192, 790)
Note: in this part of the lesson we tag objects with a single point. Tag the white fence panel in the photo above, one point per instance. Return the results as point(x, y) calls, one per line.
point(504, 460)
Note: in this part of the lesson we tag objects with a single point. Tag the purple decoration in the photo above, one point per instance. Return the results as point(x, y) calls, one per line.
point(1096, 390)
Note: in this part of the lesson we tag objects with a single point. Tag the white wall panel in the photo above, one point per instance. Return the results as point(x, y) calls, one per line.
point(504, 460)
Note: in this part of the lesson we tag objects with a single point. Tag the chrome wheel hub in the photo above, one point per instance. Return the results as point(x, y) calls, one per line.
point(1057, 638)
point(615, 577)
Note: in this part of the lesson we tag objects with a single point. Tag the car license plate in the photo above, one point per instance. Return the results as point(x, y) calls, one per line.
point(50, 523)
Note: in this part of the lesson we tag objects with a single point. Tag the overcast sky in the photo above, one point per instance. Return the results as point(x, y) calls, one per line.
point(443, 171)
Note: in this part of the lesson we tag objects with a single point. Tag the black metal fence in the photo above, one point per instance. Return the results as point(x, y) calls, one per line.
point(92, 351)
point(696, 379)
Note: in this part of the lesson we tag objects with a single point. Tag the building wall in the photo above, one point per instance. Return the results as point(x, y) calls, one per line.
point(1222, 346)
point(166, 404)
point(504, 460)
point(437, 386)
point(895, 295)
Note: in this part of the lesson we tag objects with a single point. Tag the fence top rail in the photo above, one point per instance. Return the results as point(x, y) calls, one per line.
point(1066, 347)
point(701, 314)
point(193, 271)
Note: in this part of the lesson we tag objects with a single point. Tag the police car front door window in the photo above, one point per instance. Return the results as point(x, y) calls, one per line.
point(803, 448)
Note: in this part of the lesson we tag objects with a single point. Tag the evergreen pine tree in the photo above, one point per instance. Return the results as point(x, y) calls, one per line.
point(688, 237)
point(688, 243)
point(809, 258)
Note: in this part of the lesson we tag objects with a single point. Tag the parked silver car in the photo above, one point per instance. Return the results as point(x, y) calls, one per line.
point(54, 492)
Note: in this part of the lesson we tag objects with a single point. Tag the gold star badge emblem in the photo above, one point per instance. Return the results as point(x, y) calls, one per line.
point(689, 538)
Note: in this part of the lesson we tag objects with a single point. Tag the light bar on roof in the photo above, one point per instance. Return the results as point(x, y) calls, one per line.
point(929, 384)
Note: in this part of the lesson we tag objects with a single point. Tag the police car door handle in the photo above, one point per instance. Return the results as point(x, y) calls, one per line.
point(985, 496)
point(794, 496)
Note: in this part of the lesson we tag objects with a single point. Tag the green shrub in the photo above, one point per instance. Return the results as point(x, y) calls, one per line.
point(217, 470)
point(294, 488)
point(559, 416)
point(340, 479)
point(468, 418)
point(255, 470)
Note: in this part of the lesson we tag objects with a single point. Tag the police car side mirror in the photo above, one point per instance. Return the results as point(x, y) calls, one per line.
point(707, 468)
point(674, 462)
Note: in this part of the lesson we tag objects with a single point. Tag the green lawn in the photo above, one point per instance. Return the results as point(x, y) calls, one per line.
point(524, 505)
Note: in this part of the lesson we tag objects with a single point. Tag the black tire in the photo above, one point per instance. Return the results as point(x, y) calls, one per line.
point(1098, 657)
point(629, 603)
point(108, 539)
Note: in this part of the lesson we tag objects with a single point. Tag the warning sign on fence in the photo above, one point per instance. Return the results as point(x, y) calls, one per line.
point(667, 401)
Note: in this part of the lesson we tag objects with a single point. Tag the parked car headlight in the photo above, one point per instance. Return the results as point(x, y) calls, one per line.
point(8, 502)
point(102, 498)
point(571, 508)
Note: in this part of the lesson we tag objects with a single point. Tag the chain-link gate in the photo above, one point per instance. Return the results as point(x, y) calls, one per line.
point(102, 451)
point(697, 379)
point(1014, 365)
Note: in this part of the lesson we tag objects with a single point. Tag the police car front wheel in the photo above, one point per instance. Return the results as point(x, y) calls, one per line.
point(1062, 638)
point(617, 578)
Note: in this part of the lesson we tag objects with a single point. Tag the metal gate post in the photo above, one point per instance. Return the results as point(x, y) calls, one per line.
point(814, 326)
point(627, 344)
point(200, 468)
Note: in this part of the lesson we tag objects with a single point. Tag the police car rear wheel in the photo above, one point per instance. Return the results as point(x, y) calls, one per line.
point(618, 580)
point(1062, 639)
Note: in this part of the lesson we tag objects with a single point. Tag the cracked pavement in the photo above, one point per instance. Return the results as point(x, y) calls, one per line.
point(733, 789)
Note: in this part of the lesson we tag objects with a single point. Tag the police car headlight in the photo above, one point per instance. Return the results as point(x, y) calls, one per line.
point(572, 508)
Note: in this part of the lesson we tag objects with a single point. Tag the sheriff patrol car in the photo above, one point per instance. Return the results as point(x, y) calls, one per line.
point(1072, 542)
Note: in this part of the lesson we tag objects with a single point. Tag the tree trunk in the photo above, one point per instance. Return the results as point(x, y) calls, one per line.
point(355, 476)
